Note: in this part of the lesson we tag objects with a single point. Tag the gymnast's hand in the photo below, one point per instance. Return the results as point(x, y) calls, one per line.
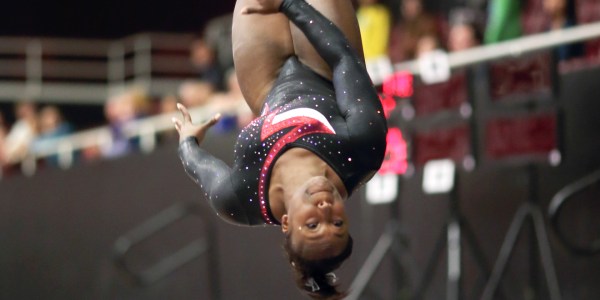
point(187, 129)
point(262, 7)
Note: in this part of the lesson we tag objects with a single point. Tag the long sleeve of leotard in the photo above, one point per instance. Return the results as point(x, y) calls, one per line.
point(214, 178)
point(355, 95)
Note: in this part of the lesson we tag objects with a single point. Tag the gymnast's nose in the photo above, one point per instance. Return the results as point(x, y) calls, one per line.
point(322, 204)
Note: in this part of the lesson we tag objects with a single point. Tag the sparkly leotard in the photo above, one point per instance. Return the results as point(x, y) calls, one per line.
point(341, 121)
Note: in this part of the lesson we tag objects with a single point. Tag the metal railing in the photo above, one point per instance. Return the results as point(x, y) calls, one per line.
point(563, 198)
point(203, 245)
point(450, 239)
point(64, 148)
point(86, 71)
point(133, 60)
point(513, 48)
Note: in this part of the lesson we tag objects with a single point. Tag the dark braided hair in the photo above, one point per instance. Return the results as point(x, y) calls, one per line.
point(314, 276)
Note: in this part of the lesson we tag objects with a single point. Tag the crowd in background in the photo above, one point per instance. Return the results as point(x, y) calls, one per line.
point(31, 128)
point(417, 31)
point(399, 30)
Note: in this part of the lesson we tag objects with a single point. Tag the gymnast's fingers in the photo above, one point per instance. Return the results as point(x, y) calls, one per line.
point(212, 121)
point(186, 114)
point(177, 124)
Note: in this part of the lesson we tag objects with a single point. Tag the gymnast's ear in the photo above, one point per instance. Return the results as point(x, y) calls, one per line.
point(284, 224)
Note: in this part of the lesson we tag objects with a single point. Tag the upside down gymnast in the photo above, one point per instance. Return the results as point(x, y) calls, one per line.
point(320, 134)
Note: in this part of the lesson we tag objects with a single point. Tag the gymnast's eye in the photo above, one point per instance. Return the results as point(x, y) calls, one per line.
point(338, 223)
point(311, 225)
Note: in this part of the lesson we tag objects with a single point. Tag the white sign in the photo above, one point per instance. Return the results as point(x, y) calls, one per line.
point(382, 189)
point(379, 68)
point(434, 67)
point(438, 176)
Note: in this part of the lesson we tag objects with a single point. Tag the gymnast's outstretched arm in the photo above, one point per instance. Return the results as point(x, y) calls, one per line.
point(210, 173)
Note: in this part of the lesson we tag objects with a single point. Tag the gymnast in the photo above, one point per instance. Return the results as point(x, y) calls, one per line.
point(320, 133)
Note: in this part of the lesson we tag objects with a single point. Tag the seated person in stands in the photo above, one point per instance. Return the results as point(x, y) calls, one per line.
point(563, 15)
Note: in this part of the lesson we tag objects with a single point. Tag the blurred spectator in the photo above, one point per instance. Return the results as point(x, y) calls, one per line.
point(21, 134)
point(218, 36)
point(562, 15)
point(204, 60)
point(236, 113)
point(465, 29)
point(51, 125)
point(120, 110)
point(3, 132)
point(168, 105)
point(426, 44)
point(374, 20)
point(414, 24)
point(195, 93)
point(140, 102)
point(504, 20)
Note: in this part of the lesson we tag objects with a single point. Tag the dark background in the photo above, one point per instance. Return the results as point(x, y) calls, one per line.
point(106, 19)
point(58, 227)
point(118, 18)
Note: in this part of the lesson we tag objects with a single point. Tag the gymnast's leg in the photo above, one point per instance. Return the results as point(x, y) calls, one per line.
point(342, 14)
point(357, 99)
point(261, 45)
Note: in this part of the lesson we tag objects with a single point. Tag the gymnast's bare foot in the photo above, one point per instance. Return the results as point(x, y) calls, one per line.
point(263, 7)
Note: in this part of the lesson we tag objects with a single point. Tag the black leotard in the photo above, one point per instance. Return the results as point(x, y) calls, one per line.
point(341, 121)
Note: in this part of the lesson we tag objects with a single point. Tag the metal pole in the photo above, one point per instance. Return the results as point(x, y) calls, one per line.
point(33, 69)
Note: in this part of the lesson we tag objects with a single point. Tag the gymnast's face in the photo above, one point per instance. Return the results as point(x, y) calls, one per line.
point(316, 220)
